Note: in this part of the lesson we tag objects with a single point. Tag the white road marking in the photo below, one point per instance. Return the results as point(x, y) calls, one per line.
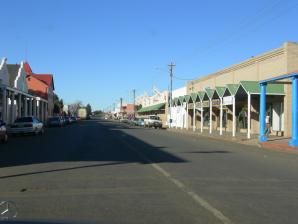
point(218, 214)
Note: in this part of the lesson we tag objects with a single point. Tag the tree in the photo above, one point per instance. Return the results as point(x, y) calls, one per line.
point(74, 107)
point(98, 112)
point(138, 107)
point(58, 105)
point(89, 109)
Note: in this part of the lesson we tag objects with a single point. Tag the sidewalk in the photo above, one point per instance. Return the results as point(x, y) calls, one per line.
point(274, 142)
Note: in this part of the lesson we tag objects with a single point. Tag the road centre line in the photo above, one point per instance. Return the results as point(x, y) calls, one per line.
point(198, 199)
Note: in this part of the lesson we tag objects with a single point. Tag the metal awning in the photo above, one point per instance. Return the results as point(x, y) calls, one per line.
point(210, 92)
point(187, 98)
point(220, 90)
point(155, 107)
point(182, 99)
point(201, 95)
point(233, 88)
point(175, 101)
point(195, 97)
point(253, 87)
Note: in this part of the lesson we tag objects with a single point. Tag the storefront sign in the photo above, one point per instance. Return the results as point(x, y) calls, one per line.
point(227, 100)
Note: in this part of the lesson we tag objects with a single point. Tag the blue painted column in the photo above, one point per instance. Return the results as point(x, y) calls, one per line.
point(262, 135)
point(294, 140)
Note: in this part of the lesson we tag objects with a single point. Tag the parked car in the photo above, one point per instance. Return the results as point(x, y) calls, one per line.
point(124, 120)
point(140, 122)
point(26, 125)
point(67, 120)
point(153, 121)
point(55, 122)
point(3, 132)
point(62, 120)
point(132, 122)
point(73, 119)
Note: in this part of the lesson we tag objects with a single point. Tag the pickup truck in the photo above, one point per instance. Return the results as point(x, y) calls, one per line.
point(153, 121)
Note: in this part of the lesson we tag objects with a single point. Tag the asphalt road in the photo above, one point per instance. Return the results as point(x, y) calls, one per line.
point(105, 172)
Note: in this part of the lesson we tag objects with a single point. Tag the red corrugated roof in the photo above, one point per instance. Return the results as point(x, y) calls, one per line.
point(27, 68)
point(46, 78)
point(37, 87)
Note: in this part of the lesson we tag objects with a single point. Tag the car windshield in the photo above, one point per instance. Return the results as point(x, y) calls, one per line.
point(24, 120)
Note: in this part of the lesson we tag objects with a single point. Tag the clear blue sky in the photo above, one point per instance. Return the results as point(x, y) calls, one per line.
point(100, 50)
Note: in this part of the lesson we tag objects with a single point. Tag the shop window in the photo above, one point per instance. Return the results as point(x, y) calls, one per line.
point(242, 119)
point(206, 118)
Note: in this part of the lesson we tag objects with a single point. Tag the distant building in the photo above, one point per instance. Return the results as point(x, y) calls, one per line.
point(65, 109)
point(82, 112)
point(156, 104)
point(156, 98)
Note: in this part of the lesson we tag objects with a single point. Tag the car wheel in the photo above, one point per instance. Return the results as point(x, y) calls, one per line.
point(41, 131)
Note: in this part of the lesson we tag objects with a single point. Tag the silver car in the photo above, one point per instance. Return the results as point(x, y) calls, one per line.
point(26, 125)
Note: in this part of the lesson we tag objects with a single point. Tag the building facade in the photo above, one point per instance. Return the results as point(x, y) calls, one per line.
point(177, 114)
point(23, 94)
point(228, 100)
point(156, 104)
point(41, 85)
point(15, 99)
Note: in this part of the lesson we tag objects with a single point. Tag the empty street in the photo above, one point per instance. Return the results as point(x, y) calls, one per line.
point(108, 172)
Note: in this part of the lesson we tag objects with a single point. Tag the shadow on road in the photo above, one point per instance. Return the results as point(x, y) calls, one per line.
point(62, 169)
point(210, 152)
point(94, 141)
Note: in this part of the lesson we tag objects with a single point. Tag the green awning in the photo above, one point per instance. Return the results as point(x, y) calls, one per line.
point(253, 87)
point(175, 101)
point(220, 90)
point(210, 92)
point(233, 88)
point(187, 98)
point(195, 97)
point(201, 95)
point(155, 107)
point(182, 99)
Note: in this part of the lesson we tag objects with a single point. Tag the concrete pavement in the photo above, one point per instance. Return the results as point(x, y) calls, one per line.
point(105, 172)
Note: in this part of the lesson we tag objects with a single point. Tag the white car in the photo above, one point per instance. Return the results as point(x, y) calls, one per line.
point(153, 121)
point(26, 125)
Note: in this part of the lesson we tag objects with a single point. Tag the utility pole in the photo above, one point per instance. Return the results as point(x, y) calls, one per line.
point(134, 102)
point(121, 100)
point(171, 90)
